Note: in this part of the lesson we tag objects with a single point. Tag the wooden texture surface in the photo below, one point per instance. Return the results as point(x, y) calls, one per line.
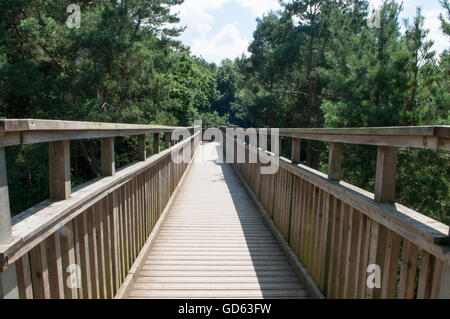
point(215, 244)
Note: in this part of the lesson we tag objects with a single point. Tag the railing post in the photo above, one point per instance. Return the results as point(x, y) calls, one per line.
point(59, 170)
point(5, 214)
point(156, 148)
point(142, 148)
point(167, 139)
point(386, 174)
point(296, 149)
point(335, 162)
point(108, 162)
point(8, 278)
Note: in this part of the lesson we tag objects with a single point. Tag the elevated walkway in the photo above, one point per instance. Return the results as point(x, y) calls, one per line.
point(214, 243)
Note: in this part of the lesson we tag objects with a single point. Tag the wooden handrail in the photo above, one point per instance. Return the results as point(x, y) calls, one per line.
point(425, 137)
point(22, 132)
point(108, 217)
point(337, 229)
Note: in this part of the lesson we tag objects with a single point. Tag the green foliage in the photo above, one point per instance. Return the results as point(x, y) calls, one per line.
point(330, 69)
point(123, 64)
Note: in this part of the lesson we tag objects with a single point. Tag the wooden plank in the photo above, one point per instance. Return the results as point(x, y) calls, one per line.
point(390, 269)
point(195, 244)
point(68, 260)
point(98, 219)
point(107, 154)
point(92, 250)
point(24, 278)
point(426, 276)
point(59, 170)
point(39, 272)
point(410, 254)
point(82, 238)
point(55, 271)
point(351, 254)
point(20, 125)
point(386, 174)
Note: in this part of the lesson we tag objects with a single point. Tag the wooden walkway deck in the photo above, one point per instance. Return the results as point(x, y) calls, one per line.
point(214, 243)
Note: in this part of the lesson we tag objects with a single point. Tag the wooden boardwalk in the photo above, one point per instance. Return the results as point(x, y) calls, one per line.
point(214, 243)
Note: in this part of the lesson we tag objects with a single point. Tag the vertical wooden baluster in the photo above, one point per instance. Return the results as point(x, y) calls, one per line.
point(93, 254)
point(77, 247)
point(8, 278)
point(386, 174)
point(55, 270)
point(444, 291)
point(389, 271)
point(101, 247)
point(108, 161)
point(68, 259)
point(24, 277)
point(39, 272)
point(335, 161)
point(410, 254)
point(84, 262)
point(110, 265)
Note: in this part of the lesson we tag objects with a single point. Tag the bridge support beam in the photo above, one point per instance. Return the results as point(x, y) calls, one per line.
point(59, 170)
point(386, 174)
point(108, 162)
point(335, 162)
point(8, 278)
point(142, 148)
point(296, 149)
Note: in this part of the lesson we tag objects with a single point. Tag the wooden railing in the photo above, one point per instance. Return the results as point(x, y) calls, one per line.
point(337, 230)
point(81, 242)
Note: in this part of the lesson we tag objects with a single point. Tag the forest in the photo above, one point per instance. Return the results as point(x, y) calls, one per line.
point(314, 63)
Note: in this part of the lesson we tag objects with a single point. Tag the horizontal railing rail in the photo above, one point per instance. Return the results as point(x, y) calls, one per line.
point(338, 231)
point(81, 243)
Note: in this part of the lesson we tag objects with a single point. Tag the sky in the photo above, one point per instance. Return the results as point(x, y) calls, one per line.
point(220, 29)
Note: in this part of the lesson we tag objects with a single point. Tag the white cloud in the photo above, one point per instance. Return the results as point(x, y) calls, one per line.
point(227, 43)
point(260, 7)
point(433, 23)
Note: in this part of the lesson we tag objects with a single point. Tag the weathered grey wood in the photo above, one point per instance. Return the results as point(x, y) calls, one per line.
point(167, 140)
point(35, 224)
point(420, 229)
point(5, 214)
point(14, 125)
point(444, 291)
point(210, 193)
point(108, 161)
point(8, 278)
point(335, 161)
point(8, 283)
point(156, 139)
point(386, 174)
point(142, 147)
point(296, 149)
point(59, 170)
